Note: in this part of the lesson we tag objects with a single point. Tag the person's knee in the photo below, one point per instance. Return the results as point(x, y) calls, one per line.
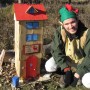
point(50, 65)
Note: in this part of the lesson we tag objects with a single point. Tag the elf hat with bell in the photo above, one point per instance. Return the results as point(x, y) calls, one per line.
point(67, 12)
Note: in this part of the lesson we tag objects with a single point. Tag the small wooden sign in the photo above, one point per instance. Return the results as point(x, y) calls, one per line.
point(34, 48)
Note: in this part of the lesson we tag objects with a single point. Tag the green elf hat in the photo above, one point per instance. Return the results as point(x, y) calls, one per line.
point(67, 12)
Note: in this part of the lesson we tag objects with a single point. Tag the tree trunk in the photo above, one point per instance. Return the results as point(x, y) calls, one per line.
point(69, 1)
point(19, 1)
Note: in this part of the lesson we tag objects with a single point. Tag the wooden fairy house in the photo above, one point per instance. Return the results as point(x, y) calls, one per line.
point(29, 24)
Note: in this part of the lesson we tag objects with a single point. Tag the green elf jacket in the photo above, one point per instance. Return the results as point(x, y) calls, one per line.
point(78, 50)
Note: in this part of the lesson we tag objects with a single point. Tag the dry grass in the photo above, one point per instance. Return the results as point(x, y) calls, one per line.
point(7, 26)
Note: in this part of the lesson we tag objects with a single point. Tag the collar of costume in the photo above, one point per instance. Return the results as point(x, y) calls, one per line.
point(71, 36)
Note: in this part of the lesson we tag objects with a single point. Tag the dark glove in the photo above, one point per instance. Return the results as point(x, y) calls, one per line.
point(68, 77)
point(74, 83)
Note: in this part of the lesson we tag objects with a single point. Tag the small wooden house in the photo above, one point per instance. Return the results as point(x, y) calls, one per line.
point(29, 25)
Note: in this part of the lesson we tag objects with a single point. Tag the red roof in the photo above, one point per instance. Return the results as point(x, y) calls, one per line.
point(21, 12)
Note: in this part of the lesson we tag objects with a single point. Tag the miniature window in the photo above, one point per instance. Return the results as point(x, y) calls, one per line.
point(35, 24)
point(31, 37)
point(35, 37)
point(31, 10)
point(28, 37)
point(32, 25)
point(29, 25)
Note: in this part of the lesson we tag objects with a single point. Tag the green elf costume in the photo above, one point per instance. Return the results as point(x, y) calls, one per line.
point(71, 50)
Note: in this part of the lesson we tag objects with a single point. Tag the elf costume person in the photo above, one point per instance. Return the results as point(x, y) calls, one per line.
point(70, 47)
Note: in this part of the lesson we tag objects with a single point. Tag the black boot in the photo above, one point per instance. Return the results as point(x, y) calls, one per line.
point(74, 83)
point(68, 78)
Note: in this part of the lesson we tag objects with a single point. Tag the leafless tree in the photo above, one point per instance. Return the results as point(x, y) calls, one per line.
point(69, 1)
point(19, 1)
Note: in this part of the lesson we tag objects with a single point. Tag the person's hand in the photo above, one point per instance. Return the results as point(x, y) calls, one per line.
point(74, 83)
point(76, 75)
point(76, 78)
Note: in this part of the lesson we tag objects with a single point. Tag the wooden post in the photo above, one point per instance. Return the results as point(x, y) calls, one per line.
point(19, 1)
point(69, 1)
point(1, 60)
